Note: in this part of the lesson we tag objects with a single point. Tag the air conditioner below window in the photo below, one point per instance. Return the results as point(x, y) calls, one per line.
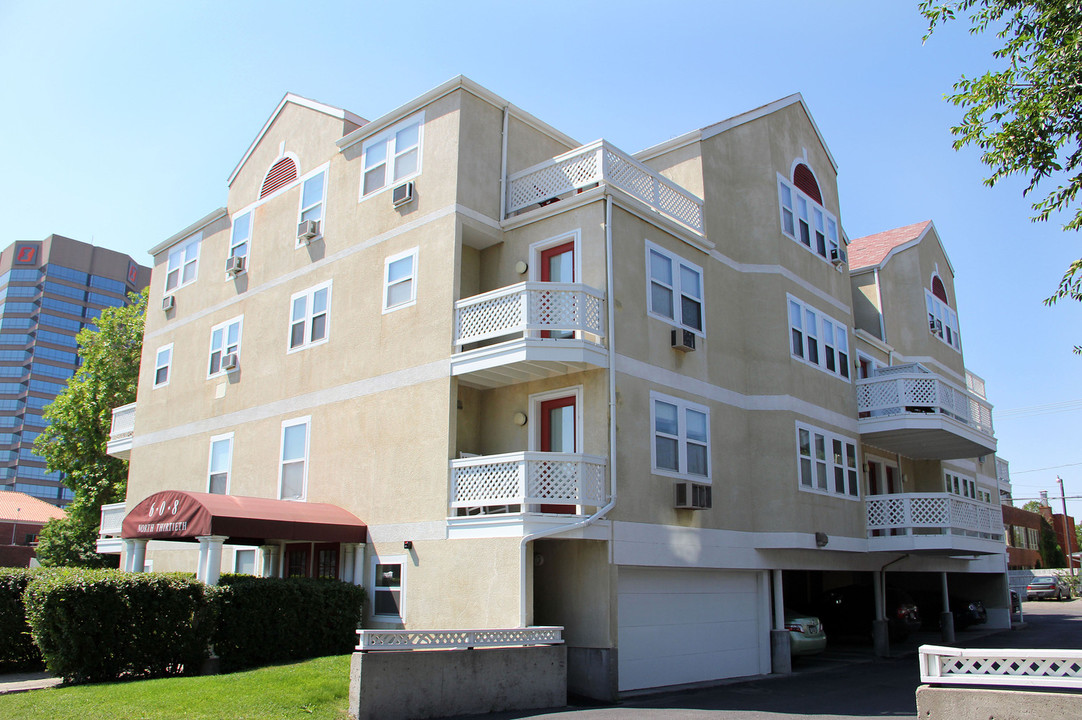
point(683, 340)
point(402, 194)
point(307, 230)
point(838, 256)
point(234, 265)
point(168, 303)
point(229, 361)
point(692, 495)
point(935, 327)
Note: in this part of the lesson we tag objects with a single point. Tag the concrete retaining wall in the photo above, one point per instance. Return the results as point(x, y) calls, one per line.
point(393, 685)
point(964, 703)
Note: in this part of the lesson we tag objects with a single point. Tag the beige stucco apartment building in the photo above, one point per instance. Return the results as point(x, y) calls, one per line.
point(502, 378)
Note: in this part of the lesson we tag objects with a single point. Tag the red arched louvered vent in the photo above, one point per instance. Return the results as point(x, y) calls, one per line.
point(803, 179)
point(281, 174)
point(938, 290)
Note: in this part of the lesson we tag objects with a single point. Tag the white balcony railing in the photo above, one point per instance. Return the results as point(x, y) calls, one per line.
point(433, 639)
point(600, 162)
point(530, 308)
point(932, 514)
point(912, 389)
point(112, 518)
point(123, 423)
point(528, 479)
point(1016, 668)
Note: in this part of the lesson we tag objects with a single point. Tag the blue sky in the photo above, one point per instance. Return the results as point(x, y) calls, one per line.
point(122, 121)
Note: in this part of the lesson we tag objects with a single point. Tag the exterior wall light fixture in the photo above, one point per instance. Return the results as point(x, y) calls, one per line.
point(519, 418)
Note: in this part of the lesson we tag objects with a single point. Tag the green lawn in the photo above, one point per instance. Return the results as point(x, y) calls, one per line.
point(312, 689)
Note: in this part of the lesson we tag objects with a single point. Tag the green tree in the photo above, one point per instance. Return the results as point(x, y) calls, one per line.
point(1026, 117)
point(79, 423)
point(1032, 506)
point(1051, 553)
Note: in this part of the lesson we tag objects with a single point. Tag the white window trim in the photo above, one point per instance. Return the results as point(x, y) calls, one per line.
point(820, 337)
point(309, 294)
point(681, 439)
point(179, 251)
point(677, 291)
point(210, 460)
point(250, 212)
point(950, 318)
point(168, 365)
point(967, 486)
point(240, 338)
point(325, 169)
point(534, 403)
point(255, 560)
point(829, 438)
point(307, 422)
point(412, 280)
point(402, 561)
point(541, 245)
point(387, 138)
point(833, 241)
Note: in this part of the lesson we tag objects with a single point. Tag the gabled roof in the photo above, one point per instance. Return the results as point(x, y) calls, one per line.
point(27, 508)
point(875, 250)
point(334, 112)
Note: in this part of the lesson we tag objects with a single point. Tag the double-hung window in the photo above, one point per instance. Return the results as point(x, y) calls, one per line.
point(817, 339)
point(163, 361)
point(242, 233)
point(293, 469)
point(681, 446)
point(392, 156)
point(806, 221)
point(400, 280)
point(225, 347)
point(313, 195)
point(389, 588)
point(221, 462)
point(960, 485)
point(942, 321)
point(183, 264)
point(675, 288)
point(309, 317)
point(827, 463)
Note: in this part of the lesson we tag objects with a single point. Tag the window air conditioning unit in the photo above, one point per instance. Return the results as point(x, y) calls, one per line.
point(307, 230)
point(838, 256)
point(234, 265)
point(683, 340)
point(692, 495)
point(229, 362)
point(935, 327)
point(402, 194)
point(168, 303)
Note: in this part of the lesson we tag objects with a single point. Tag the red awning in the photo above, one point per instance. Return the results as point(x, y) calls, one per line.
point(176, 515)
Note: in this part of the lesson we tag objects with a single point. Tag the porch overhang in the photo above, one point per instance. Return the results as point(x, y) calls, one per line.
point(186, 516)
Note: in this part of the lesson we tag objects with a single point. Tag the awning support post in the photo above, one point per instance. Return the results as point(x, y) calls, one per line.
point(270, 560)
point(358, 565)
point(210, 558)
point(138, 560)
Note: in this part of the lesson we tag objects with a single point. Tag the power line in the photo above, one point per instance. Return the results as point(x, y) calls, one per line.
point(1053, 467)
point(1033, 410)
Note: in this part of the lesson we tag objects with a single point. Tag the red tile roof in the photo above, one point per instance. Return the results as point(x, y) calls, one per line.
point(26, 508)
point(873, 249)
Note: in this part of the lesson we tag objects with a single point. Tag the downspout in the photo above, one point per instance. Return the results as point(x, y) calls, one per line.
point(503, 165)
point(601, 512)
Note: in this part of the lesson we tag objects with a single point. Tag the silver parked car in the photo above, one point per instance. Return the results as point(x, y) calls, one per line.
point(1044, 587)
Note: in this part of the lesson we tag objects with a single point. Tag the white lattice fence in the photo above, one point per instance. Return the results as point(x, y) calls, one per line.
point(528, 477)
point(893, 392)
point(936, 511)
point(1025, 668)
point(493, 480)
point(123, 422)
point(449, 639)
point(529, 307)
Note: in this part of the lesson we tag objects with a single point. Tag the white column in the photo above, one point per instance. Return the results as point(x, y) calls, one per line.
point(270, 559)
point(127, 555)
point(139, 555)
point(779, 602)
point(348, 550)
point(877, 593)
point(210, 558)
point(358, 565)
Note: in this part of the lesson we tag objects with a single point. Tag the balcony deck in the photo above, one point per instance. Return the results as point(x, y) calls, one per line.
point(121, 432)
point(933, 523)
point(909, 410)
point(528, 331)
point(112, 519)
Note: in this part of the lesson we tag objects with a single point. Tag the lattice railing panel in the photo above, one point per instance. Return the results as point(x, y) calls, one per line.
point(601, 162)
point(112, 518)
point(529, 307)
point(1024, 668)
point(123, 422)
point(452, 639)
point(488, 483)
point(528, 477)
point(916, 391)
point(950, 514)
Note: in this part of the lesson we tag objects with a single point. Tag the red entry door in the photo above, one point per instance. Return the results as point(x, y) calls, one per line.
point(558, 436)
point(296, 562)
point(558, 266)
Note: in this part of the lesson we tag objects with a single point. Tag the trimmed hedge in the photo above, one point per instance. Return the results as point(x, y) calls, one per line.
point(99, 625)
point(262, 621)
point(18, 653)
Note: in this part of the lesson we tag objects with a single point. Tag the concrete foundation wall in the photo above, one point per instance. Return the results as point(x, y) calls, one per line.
point(445, 683)
point(963, 703)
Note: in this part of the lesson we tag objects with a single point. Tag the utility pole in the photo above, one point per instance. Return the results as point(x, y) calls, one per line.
point(1066, 527)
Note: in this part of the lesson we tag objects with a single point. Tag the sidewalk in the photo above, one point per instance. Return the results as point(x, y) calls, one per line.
point(21, 682)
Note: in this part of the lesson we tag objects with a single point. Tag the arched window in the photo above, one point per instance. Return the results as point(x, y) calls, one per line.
point(805, 180)
point(281, 174)
point(938, 290)
point(942, 320)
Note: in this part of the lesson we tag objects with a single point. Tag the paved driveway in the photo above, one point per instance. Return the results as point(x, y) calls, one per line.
point(843, 684)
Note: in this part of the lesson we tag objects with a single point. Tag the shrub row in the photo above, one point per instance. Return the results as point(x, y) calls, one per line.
point(18, 653)
point(99, 625)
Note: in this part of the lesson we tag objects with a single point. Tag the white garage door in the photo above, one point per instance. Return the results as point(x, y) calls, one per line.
point(683, 626)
